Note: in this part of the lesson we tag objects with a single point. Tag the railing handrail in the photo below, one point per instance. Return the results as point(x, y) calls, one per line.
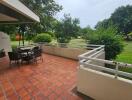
point(89, 52)
point(107, 61)
point(84, 59)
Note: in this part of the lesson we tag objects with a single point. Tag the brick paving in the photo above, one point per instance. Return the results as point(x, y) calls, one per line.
point(52, 79)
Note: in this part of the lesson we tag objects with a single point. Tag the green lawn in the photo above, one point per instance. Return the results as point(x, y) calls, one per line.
point(16, 43)
point(126, 55)
point(77, 43)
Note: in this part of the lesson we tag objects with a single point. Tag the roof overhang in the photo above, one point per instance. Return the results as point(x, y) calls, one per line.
point(13, 11)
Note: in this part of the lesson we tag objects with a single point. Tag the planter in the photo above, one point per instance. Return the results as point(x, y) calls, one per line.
point(63, 45)
point(63, 52)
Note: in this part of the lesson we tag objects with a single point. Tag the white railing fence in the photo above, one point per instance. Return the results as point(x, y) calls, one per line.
point(91, 56)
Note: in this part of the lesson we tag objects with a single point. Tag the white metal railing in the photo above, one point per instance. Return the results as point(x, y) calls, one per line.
point(90, 56)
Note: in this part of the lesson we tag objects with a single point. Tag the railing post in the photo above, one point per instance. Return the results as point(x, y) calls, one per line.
point(79, 58)
point(116, 70)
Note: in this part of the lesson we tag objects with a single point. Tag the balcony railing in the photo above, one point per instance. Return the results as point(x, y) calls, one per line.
point(92, 56)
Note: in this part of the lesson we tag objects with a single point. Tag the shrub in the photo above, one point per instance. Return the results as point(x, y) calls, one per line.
point(51, 34)
point(113, 43)
point(43, 38)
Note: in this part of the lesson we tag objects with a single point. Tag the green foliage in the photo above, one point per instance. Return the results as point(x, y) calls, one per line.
point(130, 36)
point(113, 43)
point(86, 33)
point(43, 38)
point(121, 18)
point(13, 37)
point(63, 40)
point(67, 28)
point(104, 24)
point(51, 34)
point(9, 29)
point(45, 9)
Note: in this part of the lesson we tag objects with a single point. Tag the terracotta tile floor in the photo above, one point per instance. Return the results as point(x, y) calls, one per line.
point(53, 79)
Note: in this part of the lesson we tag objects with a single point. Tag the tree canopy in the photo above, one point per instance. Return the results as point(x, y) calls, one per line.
point(45, 9)
point(121, 18)
point(67, 28)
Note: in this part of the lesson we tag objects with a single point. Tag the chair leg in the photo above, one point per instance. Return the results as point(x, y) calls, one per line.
point(21, 61)
point(42, 58)
point(10, 63)
point(35, 60)
point(15, 62)
point(18, 63)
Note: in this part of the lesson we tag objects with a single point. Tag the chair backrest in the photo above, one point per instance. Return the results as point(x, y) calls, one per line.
point(37, 52)
point(36, 47)
point(13, 55)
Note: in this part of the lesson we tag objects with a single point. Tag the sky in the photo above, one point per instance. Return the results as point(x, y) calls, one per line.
point(90, 11)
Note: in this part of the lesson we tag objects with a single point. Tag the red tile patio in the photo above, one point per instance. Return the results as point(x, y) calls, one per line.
point(53, 79)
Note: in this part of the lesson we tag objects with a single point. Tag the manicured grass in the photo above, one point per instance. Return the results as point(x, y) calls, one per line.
point(16, 43)
point(126, 55)
point(74, 43)
point(77, 43)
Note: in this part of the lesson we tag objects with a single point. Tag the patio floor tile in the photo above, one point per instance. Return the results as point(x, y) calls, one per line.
point(52, 79)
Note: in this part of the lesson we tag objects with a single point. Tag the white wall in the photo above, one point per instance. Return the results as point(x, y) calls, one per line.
point(5, 42)
point(101, 86)
point(72, 53)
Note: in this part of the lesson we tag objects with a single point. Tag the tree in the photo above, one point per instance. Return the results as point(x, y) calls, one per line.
point(121, 18)
point(9, 29)
point(45, 9)
point(67, 28)
point(104, 24)
point(86, 32)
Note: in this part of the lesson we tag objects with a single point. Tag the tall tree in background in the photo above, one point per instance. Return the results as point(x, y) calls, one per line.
point(67, 28)
point(104, 24)
point(87, 32)
point(45, 9)
point(121, 18)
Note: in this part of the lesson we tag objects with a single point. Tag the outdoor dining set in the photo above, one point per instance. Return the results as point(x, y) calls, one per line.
point(26, 54)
